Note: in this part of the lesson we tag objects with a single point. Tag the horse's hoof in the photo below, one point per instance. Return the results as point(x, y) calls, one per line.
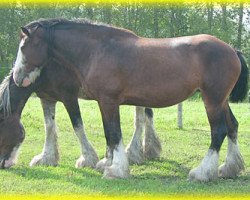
point(86, 162)
point(102, 164)
point(230, 170)
point(135, 154)
point(42, 159)
point(152, 147)
point(202, 175)
point(8, 164)
point(114, 172)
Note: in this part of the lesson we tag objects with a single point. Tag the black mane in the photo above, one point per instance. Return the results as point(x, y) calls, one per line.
point(55, 22)
point(58, 21)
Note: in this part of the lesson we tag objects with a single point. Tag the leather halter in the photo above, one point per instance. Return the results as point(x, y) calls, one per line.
point(49, 36)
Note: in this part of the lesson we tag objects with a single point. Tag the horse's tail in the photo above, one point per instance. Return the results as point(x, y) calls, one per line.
point(240, 89)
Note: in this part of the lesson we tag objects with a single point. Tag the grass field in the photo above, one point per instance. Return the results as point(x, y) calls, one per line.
point(182, 150)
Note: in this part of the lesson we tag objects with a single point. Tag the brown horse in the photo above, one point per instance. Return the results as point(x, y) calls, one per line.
point(12, 132)
point(115, 66)
point(13, 100)
point(50, 88)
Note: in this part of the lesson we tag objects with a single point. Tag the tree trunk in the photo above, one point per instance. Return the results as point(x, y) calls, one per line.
point(210, 12)
point(107, 14)
point(180, 111)
point(172, 21)
point(90, 12)
point(156, 22)
point(224, 17)
point(239, 34)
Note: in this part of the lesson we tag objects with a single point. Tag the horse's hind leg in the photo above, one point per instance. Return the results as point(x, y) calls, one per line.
point(49, 155)
point(88, 156)
point(134, 149)
point(208, 169)
point(234, 163)
point(151, 143)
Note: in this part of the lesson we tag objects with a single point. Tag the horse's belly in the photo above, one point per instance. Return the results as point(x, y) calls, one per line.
point(82, 94)
point(159, 97)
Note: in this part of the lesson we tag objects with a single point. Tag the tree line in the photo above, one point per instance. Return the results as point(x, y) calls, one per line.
point(228, 22)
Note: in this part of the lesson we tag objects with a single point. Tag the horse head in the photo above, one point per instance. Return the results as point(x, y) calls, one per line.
point(11, 137)
point(32, 55)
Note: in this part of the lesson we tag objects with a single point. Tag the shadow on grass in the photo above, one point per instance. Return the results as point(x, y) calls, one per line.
point(162, 169)
point(153, 177)
point(57, 173)
point(159, 168)
point(166, 170)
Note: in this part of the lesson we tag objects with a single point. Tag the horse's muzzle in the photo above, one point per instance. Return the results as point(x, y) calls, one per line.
point(19, 79)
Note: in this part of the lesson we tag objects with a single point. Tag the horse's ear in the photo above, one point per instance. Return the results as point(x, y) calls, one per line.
point(25, 31)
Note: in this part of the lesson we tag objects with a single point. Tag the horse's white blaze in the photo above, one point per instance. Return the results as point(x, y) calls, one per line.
point(208, 169)
point(120, 165)
point(20, 60)
point(20, 65)
point(12, 159)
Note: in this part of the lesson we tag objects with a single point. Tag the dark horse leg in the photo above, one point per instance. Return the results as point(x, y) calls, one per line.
point(88, 156)
point(208, 169)
point(234, 163)
point(49, 155)
point(222, 122)
point(115, 164)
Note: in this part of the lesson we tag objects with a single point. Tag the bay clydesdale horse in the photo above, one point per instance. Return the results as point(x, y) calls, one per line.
point(50, 88)
point(115, 67)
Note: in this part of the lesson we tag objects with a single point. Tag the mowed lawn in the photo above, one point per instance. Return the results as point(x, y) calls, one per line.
point(182, 150)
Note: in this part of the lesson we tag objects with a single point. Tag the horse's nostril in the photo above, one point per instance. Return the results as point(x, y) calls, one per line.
point(26, 82)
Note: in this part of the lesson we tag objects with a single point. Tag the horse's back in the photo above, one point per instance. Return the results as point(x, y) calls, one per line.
point(164, 70)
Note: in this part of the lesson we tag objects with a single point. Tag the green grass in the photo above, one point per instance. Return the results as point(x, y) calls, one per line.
point(182, 150)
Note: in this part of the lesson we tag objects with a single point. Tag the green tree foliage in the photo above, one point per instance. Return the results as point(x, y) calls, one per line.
point(229, 22)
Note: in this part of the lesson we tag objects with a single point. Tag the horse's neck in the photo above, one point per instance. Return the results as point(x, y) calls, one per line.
point(19, 97)
point(72, 52)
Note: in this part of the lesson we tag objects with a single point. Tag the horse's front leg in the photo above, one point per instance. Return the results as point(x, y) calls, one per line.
point(88, 156)
point(115, 165)
point(49, 155)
